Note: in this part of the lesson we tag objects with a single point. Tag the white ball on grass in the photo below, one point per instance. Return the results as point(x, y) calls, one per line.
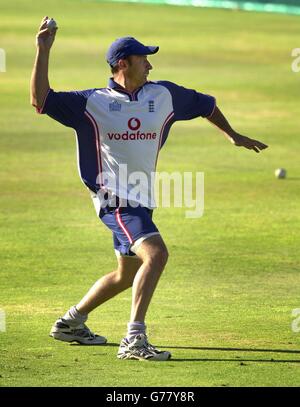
point(280, 173)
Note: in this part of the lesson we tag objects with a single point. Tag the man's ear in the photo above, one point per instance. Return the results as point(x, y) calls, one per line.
point(123, 64)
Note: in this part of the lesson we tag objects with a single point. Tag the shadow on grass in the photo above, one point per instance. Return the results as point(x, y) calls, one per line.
point(236, 349)
point(96, 346)
point(112, 344)
point(239, 359)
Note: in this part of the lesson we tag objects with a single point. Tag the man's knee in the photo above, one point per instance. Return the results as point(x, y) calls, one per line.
point(154, 252)
point(159, 257)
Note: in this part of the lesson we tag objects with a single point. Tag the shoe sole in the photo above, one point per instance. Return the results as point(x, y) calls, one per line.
point(133, 357)
point(60, 336)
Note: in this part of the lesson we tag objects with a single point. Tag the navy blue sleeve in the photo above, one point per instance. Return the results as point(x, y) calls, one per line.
point(189, 103)
point(66, 107)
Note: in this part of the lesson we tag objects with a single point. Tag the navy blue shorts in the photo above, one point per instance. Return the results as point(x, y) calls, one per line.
point(129, 225)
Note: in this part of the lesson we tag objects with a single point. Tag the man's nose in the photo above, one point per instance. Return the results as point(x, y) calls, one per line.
point(149, 66)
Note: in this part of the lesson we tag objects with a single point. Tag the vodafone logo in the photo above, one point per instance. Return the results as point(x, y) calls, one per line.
point(134, 123)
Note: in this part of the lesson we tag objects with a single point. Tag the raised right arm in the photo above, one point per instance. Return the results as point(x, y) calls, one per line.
point(39, 84)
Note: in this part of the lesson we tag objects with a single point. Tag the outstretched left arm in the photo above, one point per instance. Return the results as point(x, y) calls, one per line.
point(218, 119)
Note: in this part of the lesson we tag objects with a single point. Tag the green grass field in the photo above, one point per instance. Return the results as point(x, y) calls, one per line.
point(224, 304)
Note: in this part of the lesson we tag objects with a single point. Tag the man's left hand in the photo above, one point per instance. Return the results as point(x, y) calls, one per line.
point(249, 143)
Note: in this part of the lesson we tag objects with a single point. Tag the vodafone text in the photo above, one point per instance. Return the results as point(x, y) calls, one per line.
point(133, 124)
point(131, 136)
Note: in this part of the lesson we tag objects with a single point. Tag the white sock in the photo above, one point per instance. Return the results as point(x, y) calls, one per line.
point(135, 328)
point(74, 318)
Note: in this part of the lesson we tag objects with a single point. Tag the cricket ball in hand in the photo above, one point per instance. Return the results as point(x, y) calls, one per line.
point(51, 24)
point(280, 173)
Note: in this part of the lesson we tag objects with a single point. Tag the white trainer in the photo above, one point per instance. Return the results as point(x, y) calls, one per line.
point(141, 349)
point(80, 333)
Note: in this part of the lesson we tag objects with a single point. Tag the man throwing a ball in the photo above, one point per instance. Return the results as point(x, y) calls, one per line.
point(123, 125)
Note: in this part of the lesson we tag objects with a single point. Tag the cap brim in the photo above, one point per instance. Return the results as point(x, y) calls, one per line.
point(152, 50)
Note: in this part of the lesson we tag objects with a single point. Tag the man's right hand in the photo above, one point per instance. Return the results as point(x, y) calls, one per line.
point(45, 37)
point(39, 84)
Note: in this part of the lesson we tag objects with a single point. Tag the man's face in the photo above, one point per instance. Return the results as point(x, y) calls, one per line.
point(138, 67)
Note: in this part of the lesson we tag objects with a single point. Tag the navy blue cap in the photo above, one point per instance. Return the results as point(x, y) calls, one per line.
point(125, 46)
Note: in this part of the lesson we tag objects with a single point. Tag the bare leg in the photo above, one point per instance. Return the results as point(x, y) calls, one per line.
point(110, 285)
point(154, 256)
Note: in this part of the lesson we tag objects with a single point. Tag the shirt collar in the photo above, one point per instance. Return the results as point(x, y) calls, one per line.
point(114, 85)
